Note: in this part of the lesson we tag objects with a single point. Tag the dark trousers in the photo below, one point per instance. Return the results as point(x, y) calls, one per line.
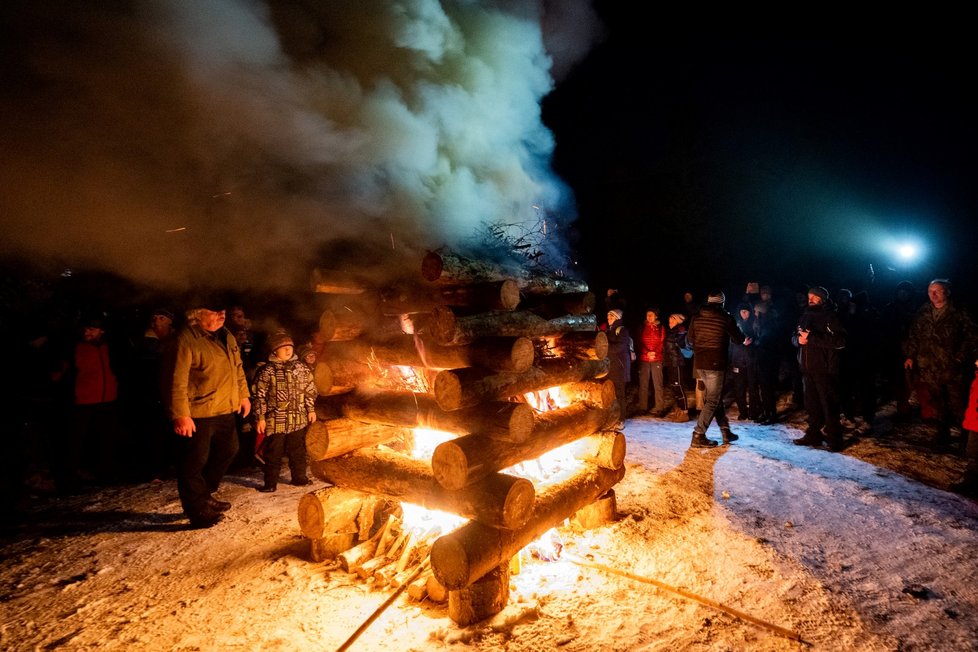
point(746, 393)
point(203, 460)
point(97, 445)
point(822, 405)
point(291, 444)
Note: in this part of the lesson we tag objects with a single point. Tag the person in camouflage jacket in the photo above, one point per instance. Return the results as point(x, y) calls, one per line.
point(285, 396)
point(940, 348)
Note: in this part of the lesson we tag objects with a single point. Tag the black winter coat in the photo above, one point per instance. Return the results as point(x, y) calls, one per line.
point(826, 339)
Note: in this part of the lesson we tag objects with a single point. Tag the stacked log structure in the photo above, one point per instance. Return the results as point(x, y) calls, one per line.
point(456, 350)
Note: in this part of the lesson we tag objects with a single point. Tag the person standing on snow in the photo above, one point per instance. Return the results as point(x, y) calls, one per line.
point(710, 334)
point(207, 388)
point(285, 405)
point(820, 339)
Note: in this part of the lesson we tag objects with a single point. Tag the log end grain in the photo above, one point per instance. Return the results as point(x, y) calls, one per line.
point(519, 502)
point(322, 376)
point(450, 465)
point(449, 561)
point(601, 345)
point(522, 354)
point(521, 422)
point(509, 294)
point(448, 390)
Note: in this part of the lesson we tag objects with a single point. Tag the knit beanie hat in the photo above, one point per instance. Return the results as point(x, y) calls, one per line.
point(278, 340)
point(617, 313)
point(716, 297)
point(820, 292)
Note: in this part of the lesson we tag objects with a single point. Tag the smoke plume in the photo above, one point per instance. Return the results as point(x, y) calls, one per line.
point(237, 141)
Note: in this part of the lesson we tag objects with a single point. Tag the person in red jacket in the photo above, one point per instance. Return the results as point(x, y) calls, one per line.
point(652, 343)
point(94, 450)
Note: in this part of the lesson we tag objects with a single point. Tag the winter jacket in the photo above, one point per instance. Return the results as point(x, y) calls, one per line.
point(205, 375)
point(653, 340)
point(826, 339)
point(674, 347)
point(710, 333)
point(285, 394)
point(94, 380)
point(619, 352)
point(941, 344)
point(743, 356)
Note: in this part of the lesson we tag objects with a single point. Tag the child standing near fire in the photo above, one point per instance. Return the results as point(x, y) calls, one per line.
point(285, 397)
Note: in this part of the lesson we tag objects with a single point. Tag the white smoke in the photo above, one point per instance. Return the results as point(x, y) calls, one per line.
point(229, 140)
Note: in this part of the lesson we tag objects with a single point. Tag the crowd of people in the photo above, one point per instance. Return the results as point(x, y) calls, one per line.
point(190, 393)
point(141, 395)
point(838, 357)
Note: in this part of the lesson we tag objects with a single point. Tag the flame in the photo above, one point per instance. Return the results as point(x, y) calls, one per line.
point(427, 440)
point(544, 400)
point(429, 522)
point(547, 547)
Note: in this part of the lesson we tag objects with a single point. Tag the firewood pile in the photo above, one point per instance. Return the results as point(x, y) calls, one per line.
point(509, 367)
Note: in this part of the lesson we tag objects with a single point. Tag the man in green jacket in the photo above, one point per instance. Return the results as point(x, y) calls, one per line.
point(207, 388)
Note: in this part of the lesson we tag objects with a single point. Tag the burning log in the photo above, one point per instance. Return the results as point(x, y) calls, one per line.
point(497, 500)
point(483, 598)
point(594, 393)
point(459, 388)
point(463, 556)
point(578, 344)
point(450, 329)
point(496, 353)
point(466, 460)
point(492, 295)
point(500, 420)
point(326, 439)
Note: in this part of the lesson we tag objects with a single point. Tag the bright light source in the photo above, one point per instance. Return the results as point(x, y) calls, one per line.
point(907, 251)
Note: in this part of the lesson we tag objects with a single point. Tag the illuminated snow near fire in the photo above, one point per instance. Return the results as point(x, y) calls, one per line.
point(856, 551)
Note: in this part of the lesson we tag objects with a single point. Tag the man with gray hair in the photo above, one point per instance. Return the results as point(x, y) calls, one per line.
point(207, 387)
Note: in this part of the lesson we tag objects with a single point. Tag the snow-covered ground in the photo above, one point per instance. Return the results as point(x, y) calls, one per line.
point(859, 550)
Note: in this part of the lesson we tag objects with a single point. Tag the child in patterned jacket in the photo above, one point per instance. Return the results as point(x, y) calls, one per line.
point(285, 396)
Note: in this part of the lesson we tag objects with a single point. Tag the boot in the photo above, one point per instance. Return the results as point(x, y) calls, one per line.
point(809, 439)
point(268, 488)
point(700, 441)
point(728, 436)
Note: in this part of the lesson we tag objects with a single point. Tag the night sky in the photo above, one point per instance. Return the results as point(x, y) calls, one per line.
point(710, 151)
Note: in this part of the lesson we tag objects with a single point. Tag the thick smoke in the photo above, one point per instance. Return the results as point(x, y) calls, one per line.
point(235, 141)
